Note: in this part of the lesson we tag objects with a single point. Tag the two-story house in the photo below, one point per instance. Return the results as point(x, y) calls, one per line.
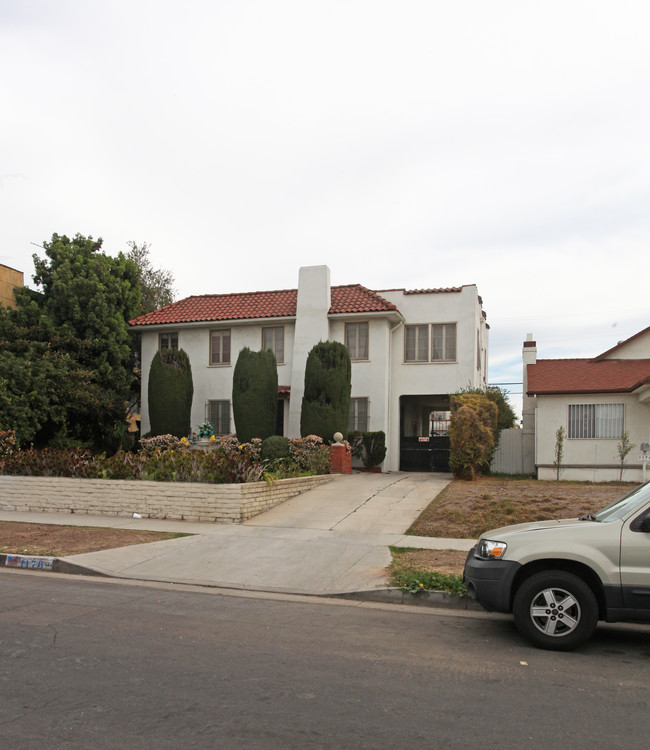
point(409, 351)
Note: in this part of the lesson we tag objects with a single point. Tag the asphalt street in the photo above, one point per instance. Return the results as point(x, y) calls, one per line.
point(95, 663)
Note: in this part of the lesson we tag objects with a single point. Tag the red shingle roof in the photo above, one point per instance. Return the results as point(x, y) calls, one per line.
point(353, 298)
point(555, 376)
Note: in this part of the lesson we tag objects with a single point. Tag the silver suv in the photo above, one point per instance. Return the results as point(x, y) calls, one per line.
point(559, 578)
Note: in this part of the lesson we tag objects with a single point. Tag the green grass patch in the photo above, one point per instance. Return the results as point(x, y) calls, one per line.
point(415, 579)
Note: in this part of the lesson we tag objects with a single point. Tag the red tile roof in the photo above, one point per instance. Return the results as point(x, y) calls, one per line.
point(434, 291)
point(555, 376)
point(353, 298)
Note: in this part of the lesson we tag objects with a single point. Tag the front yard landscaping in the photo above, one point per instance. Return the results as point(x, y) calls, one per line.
point(463, 510)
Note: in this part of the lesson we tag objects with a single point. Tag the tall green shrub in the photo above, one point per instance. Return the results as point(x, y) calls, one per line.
point(471, 434)
point(170, 393)
point(370, 447)
point(255, 394)
point(326, 401)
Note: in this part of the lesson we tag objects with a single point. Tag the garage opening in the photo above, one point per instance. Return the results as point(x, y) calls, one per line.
point(424, 433)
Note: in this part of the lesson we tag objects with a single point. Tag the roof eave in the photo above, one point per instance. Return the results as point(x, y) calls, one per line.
point(206, 323)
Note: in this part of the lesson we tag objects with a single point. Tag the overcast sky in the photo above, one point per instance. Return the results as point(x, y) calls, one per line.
point(404, 144)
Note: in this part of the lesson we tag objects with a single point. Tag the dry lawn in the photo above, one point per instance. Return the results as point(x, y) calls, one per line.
point(52, 540)
point(464, 510)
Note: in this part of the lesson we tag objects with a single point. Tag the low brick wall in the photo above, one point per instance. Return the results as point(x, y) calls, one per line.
point(185, 501)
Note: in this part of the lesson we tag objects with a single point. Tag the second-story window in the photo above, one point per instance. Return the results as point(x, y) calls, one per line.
point(416, 344)
point(443, 342)
point(168, 340)
point(220, 346)
point(273, 339)
point(356, 340)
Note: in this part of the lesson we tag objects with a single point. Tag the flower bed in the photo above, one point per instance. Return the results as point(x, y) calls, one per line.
point(165, 458)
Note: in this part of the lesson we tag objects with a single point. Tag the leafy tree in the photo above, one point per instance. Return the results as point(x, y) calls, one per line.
point(156, 284)
point(506, 416)
point(170, 393)
point(66, 348)
point(255, 394)
point(326, 401)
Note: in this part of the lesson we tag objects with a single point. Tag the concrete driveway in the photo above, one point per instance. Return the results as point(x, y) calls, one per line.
point(331, 539)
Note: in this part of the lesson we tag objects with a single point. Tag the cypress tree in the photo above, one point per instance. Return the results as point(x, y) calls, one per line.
point(326, 401)
point(255, 394)
point(170, 393)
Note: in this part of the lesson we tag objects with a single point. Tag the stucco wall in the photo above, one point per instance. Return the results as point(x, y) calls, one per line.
point(212, 382)
point(462, 308)
point(590, 459)
point(383, 378)
point(218, 503)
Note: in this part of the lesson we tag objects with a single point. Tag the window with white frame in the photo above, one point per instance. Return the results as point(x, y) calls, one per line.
point(443, 342)
point(218, 414)
point(220, 346)
point(416, 343)
point(359, 414)
point(273, 339)
point(168, 340)
point(596, 421)
point(356, 340)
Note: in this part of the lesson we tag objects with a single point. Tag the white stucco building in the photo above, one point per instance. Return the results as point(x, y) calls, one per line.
point(409, 351)
point(595, 400)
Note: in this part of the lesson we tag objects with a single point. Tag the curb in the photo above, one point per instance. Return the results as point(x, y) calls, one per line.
point(45, 565)
point(440, 599)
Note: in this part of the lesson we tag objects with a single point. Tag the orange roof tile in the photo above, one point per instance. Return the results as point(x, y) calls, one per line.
point(556, 376)
point(353, 298)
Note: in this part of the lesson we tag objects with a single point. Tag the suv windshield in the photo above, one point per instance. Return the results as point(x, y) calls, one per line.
point(624, 505)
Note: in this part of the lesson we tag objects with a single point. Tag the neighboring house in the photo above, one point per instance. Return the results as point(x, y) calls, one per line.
point(9, 279)
point(595, 400)
point(409, 351)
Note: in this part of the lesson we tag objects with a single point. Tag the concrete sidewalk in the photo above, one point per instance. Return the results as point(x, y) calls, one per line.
point(331, 540)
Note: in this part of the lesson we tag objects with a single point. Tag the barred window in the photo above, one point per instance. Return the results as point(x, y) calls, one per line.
point(359, 414)
point(220, 347)
point(596, 421)
point(168, 340)
point(219, 416)
point(416, 344)
point(273, 339)
point(356, 340)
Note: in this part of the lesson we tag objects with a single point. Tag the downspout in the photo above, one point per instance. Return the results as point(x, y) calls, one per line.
point(390, 377)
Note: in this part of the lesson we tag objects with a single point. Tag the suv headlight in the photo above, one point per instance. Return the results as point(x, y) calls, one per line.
point(488, 549)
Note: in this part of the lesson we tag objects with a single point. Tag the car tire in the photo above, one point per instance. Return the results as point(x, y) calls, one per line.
point(555, 610)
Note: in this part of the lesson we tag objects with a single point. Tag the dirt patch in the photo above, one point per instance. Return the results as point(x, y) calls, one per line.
point(464, 510)
point(53, 540)
point(447, 561)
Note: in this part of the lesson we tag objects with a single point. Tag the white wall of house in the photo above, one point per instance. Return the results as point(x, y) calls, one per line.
point(434, 378)
point(212, 382)
point(590, 459)
point(383, 378)
point(371, 377)
point(637, 348)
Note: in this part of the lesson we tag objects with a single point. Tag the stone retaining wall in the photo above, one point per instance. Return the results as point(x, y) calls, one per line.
point(188, 501)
